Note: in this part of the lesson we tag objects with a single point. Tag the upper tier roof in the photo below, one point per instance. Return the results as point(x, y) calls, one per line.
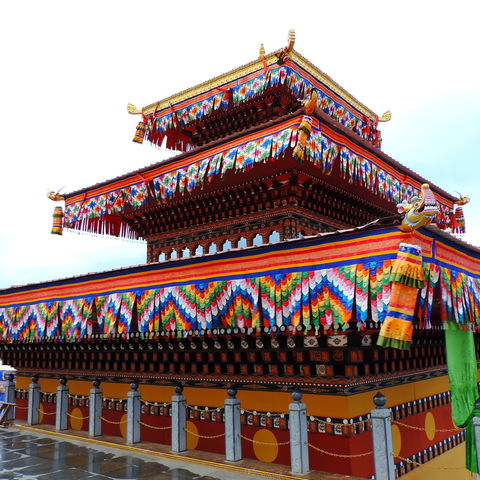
point(283, 79)
point(246, 70)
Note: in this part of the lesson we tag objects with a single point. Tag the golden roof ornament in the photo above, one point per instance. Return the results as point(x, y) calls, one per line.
point(386, 117)
point(261, 53)
point(133, 109)
point(291, 40)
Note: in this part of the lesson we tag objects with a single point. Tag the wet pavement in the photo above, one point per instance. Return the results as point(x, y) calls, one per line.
point(25, 456)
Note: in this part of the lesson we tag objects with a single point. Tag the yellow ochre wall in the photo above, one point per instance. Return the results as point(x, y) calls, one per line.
point(336, 406)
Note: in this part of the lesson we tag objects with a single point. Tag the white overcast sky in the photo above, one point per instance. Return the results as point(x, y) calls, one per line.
point(69, 69)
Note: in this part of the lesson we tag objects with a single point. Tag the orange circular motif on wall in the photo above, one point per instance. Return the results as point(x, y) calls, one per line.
point(76, 420)
point(265, 453)
point(397, 440)
point(123, 426)
point(192, 439)
point(430, 426)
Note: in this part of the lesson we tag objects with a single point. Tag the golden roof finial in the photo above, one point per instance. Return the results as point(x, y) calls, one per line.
point(261, 52)
point(386, 117)
point(291, 40)
point(133, 109)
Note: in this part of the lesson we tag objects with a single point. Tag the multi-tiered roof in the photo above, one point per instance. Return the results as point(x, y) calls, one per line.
point(237, 175)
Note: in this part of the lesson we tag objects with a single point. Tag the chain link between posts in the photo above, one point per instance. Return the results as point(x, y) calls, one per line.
point(353, 455)
point(112, 422)
point(195, 434)
point(422, 429)
point(153, 426)
point(269, 444)
point(76, 417)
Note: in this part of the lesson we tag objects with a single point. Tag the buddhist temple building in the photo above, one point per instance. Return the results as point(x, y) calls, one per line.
point(285, 250)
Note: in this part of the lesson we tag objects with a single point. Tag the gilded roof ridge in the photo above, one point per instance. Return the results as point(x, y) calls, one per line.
point(251, 67)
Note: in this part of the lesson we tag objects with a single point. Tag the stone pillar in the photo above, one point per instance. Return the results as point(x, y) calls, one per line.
point(476, 429)
point(10, 396)
point(233, 441)
point(33, 401)
point(382, 439)
point(133, 414)
point(95, 410)
point(179, 421)
point(297, 413)
point(61, 420)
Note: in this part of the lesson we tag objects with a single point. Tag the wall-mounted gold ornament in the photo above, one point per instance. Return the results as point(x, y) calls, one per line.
point(133, 109)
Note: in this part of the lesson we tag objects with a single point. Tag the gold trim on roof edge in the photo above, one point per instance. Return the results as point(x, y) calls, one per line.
point(251, 67)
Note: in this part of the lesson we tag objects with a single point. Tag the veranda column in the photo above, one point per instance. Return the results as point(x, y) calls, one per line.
point(133, 414)
point(10, 395)
point(95, 410)
point(297, 424)
point(61, 421)
point(33, 401)
point(382, 439)
point(476, 429)
point(179, 421)
point(233, 441)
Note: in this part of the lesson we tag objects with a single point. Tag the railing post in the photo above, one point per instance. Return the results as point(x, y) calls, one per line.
point(33, 401)
point(61, 420)
point(95, 410)
point(382, 439)
point(179, 421)
point(476, 429)
point(233, 441)
point(133, 414)
point(297, 424)
point(10, 395)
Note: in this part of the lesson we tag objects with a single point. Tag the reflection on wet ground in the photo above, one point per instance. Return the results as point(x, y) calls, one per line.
point(27, 457)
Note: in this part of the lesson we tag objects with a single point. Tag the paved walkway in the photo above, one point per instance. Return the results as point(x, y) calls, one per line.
point(37, 454)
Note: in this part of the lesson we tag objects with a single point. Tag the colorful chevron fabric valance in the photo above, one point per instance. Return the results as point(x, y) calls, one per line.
point(299, 82)
point(100, 210)
point(324, 285)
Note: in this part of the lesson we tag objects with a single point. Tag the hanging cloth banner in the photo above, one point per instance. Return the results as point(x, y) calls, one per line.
point(462, 374)
point(407, 277)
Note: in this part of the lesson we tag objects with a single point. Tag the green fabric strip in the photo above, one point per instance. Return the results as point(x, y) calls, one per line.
point(462, 374)
point(393, 343)
point(406, 280)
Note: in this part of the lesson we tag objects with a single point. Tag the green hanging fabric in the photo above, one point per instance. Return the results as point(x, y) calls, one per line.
point(462, 374)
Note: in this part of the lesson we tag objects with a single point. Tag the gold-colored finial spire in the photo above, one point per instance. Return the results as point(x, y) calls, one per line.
point(291, 40)
point(261, 52)
point(386, 117)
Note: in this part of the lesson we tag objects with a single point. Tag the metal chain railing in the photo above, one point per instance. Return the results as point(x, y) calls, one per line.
point(77, 417)
point(422, 429)
point(269, 444)
point(195, 434)
point(153, 426)
point(49, 413)
point(113, 422)
point(352, 455)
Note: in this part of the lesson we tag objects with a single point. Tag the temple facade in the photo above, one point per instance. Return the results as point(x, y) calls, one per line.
point(285, 251)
